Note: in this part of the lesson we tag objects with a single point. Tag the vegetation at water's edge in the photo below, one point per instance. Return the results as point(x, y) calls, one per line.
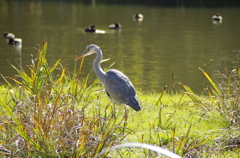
point(68, 116)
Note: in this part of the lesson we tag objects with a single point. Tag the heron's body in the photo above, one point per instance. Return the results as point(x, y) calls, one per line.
point(119, 88)
point(117, 85)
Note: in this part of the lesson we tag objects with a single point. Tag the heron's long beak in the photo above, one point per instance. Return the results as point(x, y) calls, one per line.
point(81, 55)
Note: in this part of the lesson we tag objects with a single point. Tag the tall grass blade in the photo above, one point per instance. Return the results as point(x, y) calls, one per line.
point(8, 83)
point(191, 94)
point(160, 98)
point(23, 75)
point(55, 66)
point(211, 81)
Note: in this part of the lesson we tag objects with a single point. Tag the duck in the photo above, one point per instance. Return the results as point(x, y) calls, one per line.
point(115, 26)
point(217, 17)
point(8, 35)
point(15, 41)
point(90, 29)
point(138, 16)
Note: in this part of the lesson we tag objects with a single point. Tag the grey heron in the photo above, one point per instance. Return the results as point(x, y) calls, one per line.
point(117, 85)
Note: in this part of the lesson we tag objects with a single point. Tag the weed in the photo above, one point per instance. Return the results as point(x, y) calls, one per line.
point(64, 115)
point(51, 115)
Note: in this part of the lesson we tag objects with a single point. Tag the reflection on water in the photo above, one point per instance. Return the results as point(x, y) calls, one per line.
point(167, 41)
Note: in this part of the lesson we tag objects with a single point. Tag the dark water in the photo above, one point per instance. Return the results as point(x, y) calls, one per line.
point(178, 40)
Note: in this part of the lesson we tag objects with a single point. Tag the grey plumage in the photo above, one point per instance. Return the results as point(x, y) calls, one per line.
point(117, 85)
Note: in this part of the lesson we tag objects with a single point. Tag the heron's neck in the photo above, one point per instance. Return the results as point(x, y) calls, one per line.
point(96, 65)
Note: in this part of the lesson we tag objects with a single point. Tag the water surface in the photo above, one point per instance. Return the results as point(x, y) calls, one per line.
point(178, 40)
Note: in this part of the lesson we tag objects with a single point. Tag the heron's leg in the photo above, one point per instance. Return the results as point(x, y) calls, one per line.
point(114, 111)
point(125, 118)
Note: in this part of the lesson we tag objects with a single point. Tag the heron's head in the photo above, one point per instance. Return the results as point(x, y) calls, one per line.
point(88, 51)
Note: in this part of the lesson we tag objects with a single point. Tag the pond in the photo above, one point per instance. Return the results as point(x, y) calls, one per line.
point(167, 47)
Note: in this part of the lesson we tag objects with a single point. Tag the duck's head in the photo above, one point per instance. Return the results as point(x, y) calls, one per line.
point(8, 35)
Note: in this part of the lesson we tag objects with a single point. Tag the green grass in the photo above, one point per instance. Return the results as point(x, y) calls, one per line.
point(44, 115)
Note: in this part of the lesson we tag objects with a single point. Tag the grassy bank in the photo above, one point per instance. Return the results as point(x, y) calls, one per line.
point(46, 115)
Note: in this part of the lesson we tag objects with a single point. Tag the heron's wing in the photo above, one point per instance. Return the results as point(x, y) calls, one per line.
point(118, 86)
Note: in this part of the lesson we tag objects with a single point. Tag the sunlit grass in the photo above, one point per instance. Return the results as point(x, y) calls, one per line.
point(66, 115)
